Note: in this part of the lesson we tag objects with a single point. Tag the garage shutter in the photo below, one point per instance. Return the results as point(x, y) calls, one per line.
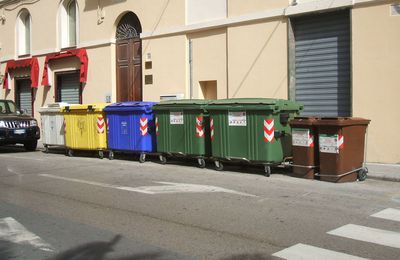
point(24, 95)
point(322, 62)
point(68, 88)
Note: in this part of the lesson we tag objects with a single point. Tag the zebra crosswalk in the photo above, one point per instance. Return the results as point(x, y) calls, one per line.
point(349, 231)
point(389, 214)
point(302, 251)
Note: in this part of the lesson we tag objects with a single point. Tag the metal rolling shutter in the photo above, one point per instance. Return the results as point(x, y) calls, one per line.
point(322, 62)
point(24, 96)
point(69, 89)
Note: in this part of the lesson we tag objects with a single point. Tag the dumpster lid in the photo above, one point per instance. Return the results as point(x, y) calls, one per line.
point(54, 107)
point(342, 121)
point(256, 103)
point(182, 103)
point(232, 101)
point(98, 107)
point(129, 106)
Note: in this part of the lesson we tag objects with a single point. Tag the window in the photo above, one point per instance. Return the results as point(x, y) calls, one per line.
point(69, 24)
point(68, 88)
point(24, 33)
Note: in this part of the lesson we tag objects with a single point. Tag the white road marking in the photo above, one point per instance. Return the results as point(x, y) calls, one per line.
point(306, 252)
point(390, 214)
point(367, 234)
point(167, 188)
point(13, 171)
point(11, 230)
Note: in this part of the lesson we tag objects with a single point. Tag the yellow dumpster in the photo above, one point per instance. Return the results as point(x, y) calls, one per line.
point(85, 128)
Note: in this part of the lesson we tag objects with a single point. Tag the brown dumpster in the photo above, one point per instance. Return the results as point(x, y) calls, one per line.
point(304, 147)
point(341, 148)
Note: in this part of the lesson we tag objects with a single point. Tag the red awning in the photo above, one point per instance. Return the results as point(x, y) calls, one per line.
point(15, 64)
point(80, 53)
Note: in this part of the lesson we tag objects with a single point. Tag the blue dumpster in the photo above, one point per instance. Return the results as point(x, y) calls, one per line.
point(130, 127)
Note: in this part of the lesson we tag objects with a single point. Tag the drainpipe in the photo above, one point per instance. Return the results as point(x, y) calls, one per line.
point(190, 69)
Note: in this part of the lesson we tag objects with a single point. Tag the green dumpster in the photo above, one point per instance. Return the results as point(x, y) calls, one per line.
point(254, 130)
point(182, 129)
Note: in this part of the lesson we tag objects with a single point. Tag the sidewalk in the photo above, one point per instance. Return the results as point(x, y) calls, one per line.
point(386, 172)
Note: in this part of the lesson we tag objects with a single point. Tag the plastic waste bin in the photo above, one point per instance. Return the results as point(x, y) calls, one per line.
point(304, 147)
point(341, 148)
point(131, 128)
point(85, 128)
point(182, 129)
point(254, 130)
point(52, 125)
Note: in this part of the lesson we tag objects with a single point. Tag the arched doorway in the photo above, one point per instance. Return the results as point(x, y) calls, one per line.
point(129, 58)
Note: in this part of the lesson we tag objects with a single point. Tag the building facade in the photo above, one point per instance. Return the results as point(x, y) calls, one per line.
point(337, 57)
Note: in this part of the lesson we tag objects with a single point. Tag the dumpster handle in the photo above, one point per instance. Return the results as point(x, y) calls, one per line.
point(341, 175)
point(288, 164)
point(303, 166)
point(237, 158)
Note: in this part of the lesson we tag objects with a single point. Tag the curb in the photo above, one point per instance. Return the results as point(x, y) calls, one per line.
point(384, 178)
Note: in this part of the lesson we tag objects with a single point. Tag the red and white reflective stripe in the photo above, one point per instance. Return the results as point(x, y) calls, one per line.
point(199, 126)
point(143, 126)
point(341, 142)
point(157, 125)
point(269, 130)
point(310, 140)
point(212, 128)
point(100, 125)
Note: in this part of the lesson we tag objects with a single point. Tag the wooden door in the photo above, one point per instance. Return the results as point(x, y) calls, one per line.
point(129, 69)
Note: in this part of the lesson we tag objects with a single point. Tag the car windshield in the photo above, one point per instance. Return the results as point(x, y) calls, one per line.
point(7, 107)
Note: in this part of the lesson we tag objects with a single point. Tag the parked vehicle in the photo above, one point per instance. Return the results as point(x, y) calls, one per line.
point(17, 127)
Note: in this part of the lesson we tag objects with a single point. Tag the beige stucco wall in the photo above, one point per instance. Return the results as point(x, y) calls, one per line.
point(169, 66)
point(376, 91)
point(241, 7)
point(45, 24)
point(209, 61)
point(257, 60)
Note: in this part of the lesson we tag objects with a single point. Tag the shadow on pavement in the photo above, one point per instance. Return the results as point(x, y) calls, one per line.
point(14, 149)
point(6, 250)
point(98, 250)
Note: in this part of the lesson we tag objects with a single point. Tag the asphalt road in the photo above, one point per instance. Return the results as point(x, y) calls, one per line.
point(57, 207)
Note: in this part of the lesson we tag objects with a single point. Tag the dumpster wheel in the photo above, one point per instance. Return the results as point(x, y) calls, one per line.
point(101, 154)
point(267, 170)
point(219, 166)
point(362, 174)
point(46, 148)
point(111, 155)
point(142, 158)
point(201, 162)
point(70, 153)
point(163, 159)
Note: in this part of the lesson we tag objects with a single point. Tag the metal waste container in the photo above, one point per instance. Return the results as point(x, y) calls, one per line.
point(85, 128)
point(131, 128)
point(341, 148)
point(304, 147)
point(182, 129)
point(254, 130)
point(53, 128)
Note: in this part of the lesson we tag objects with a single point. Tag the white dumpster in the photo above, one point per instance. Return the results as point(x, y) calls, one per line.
point(53, 129)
